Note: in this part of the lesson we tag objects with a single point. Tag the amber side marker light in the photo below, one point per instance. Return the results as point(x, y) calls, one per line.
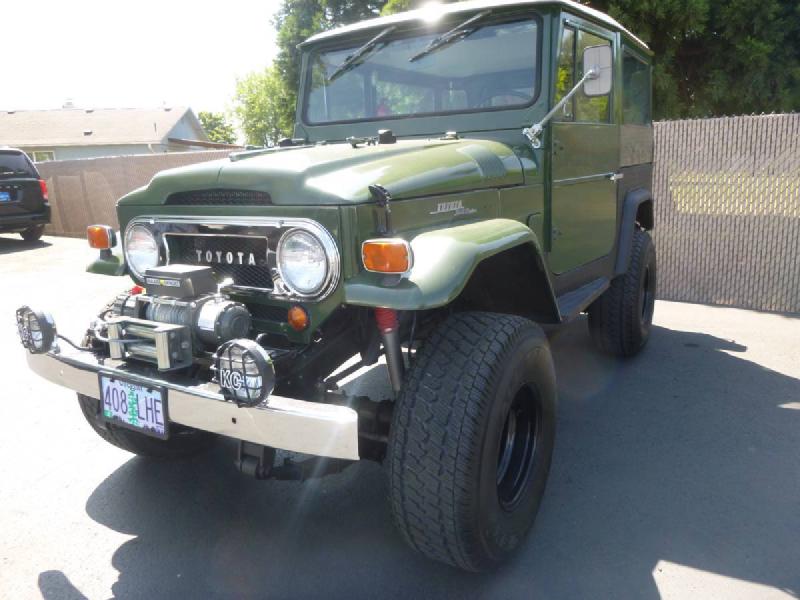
point(387, 256)
point(101, 237)
point(298, 318)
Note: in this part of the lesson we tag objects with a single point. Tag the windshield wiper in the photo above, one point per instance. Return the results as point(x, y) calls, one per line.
point(356, 56)
point(456, 34)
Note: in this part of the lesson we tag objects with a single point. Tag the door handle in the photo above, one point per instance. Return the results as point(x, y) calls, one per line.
point(615, 176)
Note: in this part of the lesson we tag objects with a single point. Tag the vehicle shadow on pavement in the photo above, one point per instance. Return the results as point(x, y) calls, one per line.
point(682, 455)
point(9, 245)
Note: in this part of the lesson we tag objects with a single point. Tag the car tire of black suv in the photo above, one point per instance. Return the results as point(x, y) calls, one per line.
point(472, 439)
point(32, 233)
point(621, 319)
point(182, 441)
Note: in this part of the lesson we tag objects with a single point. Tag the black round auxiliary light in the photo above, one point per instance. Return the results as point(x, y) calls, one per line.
point(37, 330)
point(244, 372)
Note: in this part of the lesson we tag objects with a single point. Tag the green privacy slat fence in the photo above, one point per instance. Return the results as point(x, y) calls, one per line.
point(727, 194)
point(727, 197)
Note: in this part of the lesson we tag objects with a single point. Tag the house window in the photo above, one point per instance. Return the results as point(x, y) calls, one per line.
point(42, 155)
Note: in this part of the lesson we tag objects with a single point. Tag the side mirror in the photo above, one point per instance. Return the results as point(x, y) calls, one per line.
point(597, 59)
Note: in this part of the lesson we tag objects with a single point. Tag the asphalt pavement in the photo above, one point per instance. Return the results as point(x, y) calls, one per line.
point(675, 474)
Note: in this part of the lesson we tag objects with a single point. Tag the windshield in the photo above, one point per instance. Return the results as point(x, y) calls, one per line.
point(495, 66)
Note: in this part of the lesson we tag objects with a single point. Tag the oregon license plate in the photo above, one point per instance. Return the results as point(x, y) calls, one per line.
point(5, 196)
point(139, 407)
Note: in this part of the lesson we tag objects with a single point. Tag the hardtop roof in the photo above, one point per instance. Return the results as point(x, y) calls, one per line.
point(473, 5)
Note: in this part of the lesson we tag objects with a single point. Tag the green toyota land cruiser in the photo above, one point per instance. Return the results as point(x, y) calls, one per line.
point(458, 176)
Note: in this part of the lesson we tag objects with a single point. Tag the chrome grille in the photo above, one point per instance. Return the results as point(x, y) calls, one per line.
point(218, 241)
point(243, 258)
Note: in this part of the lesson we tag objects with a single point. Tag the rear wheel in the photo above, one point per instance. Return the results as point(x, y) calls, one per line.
point(182, 442)
point(32, 233)
point(621, 319)
point(472, 438)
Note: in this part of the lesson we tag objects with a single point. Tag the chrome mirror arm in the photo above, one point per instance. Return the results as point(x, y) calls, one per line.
point(534, 132)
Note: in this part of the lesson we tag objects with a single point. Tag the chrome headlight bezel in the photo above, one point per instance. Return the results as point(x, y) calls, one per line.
point(129, 231)
point(329, 249)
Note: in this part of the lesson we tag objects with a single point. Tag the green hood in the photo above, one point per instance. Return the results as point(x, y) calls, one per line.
point(340, 174)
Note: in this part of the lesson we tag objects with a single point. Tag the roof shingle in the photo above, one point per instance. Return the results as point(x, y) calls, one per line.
point(88, 127)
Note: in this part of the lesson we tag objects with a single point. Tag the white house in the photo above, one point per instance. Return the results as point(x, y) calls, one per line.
point(69, 132)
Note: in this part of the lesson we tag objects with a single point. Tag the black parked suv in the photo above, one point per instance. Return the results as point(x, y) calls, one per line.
point(24, 206)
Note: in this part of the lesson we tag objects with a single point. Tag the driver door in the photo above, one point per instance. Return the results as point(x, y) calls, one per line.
point(585, 158)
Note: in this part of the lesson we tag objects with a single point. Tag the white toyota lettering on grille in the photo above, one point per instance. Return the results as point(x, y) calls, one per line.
point(226, 258)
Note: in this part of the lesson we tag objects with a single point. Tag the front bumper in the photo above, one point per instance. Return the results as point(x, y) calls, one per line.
point(286, 423)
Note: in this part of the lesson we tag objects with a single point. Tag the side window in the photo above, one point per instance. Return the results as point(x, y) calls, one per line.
point(565, 74)
point(598, 108)
point(635, 90)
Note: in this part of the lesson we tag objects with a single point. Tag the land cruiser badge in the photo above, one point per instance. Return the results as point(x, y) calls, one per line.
point(456, 207)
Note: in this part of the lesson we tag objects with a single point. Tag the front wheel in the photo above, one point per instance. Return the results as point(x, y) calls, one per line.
point(472, 438)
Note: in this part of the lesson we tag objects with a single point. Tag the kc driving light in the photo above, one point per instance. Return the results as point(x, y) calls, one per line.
point(244, 371)
point(141, 250)
point(302, 262)
point(37, 330)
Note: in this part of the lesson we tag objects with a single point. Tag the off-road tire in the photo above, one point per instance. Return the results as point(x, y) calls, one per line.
point(621, 319)
point(182, 442)
point(32, 233)
point(448, 433)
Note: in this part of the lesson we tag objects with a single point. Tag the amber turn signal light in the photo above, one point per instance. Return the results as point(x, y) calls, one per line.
point(298, 318)
point(387, 256)
point(101, 237)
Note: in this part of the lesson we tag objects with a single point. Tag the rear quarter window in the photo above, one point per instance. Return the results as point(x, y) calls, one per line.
point(635, 90)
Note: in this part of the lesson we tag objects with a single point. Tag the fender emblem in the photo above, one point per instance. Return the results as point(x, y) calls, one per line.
point(456, 207)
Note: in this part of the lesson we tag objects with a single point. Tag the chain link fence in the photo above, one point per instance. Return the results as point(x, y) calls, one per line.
point(727, 197)
point(727, 202)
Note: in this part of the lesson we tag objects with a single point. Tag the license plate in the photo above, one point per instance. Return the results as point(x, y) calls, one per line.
point(5, 196)
point(139, 407)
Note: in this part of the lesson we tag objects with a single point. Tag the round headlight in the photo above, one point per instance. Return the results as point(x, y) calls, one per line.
point(141, 249)
point(302, 262)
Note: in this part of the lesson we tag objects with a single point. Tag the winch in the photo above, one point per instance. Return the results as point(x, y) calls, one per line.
point(185, 298)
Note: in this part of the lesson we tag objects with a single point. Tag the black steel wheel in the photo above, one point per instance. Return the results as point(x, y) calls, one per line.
point(621, 319)
point(472, 439)
point(515, 456)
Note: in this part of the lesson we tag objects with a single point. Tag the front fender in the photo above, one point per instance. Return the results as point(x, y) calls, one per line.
point(444, 261)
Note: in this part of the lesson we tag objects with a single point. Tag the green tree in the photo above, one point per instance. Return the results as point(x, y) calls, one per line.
point(261, 107)
point(217, 127)
point(717, 57)
point(298, 20)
